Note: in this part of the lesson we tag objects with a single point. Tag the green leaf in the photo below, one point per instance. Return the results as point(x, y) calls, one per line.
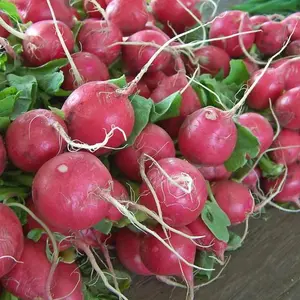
point(8, 98)
point(27, 85)
point(5, 295)
point(204, 260)
point(238, 73)
point(142, 109)
point(10, 9)
point(166, 109)
point(234, 243)
point(4, 123)
point(51, 83)
point(58, 112)
point(247, 145)
point(9, 192)
point(35, 234)
point(104, 226)
point(120, 82)
point(139, 215)
point(62, 93)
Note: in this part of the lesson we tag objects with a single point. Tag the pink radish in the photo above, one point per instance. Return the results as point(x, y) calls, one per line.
point(153, 141)
point(32, 140)
point(216, 131)
point(12, 241)
point(214, 173)
point(90, 67)
point(258, 20)
point(252, 178)
point(290, 72)
point(104, 111)
point(250, 65)
point(3, 156)
point(293, 25)
point(130, 257)
point(141, 88)
point(180, 189)
point(64, 203)
point(92, 10)
point(227, 24)
point(153, 79)
point(99, 38)
point(293, 48)
point(3, 32)
point(94, 238)
point(129, 20)
point(234, 199)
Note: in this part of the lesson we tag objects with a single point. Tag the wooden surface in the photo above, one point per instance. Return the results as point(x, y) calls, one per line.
point(267, 267)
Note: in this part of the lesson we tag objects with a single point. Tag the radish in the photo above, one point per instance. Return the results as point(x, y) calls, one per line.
point(214, 173)
point(212, 60)
point(172, 126)
point(279, 62)
point(177, 187)
point(216, 131)
point(27, 280)
point(258, 20)
point(141, 88)
point(175, 13)
point(105, 110)
point(37, 10)
point(64, 203)
point(99, 38)
point(227, 24)
point(290, 72)
point(259, 127)
point(130, 257)
point(90, 67)
point(92, 10)
point(154, 79)
point(290, 191)
point(209, 242)
point(234, 199)
point(12, 241)
point(31, 139)
point(290, 140)
point(160, 261)
point(293, 48)
point(293, 25)
point(94, 238)
point(287, 109)
point(250, 65)
point(271, 38)
point(153, 141)
point(269, 87)
point(129, 20)
point(252, 178)
point(3, 32)
point(136, 56)
point(3, 156)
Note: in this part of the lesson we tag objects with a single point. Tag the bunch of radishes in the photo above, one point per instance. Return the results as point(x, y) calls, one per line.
point(170, 188)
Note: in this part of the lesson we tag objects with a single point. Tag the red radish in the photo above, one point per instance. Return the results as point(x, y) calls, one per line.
point(64, 203)
point(141, 89)
point(209, 242)
point(32, 140)
point(135, 57)
point(258, 20)
point(104, 110)
point(172, 126)
point(27, 280)
point(3, 32)
point(170, 11)
point(153, 79)
point(293, 24)
point(252, 178)
point(129, 20)
point(90, 67)
point(161, 261)
point(180, 189)
point(287, 109)
point(270, 86)
point(12, 241)
point(37, 10)
point(279, 62)
point(153, 141)
point(216, 131)
point(176, 64)
point(128, 246)
point(234, 199)
point(291, 140)
point(227, 24)
point(290, 72)
point(290, 191)
point(93, 238)
point(41, 43)
point(271, 38)
point(212, 60)
point(97, 37)
point(3, 156)
point(250, 65)
point(260, 128)
point(293, 49)
point(214, 173)
point(92, 10)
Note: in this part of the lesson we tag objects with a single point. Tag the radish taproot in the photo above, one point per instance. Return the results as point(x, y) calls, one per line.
point(56, 192)
point(234, 199)
point(216, 131)
point(32, 140)
point(12, 240)
point(153, 141)
point(105, 111)
point(180, 191)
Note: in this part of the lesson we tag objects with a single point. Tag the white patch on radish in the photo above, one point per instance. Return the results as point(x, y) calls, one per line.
point(63, 168)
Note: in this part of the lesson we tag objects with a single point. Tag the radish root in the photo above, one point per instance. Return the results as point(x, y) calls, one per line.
point(100, 9)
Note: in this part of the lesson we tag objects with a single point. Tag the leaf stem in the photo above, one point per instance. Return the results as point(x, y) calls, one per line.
point(13, 31)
